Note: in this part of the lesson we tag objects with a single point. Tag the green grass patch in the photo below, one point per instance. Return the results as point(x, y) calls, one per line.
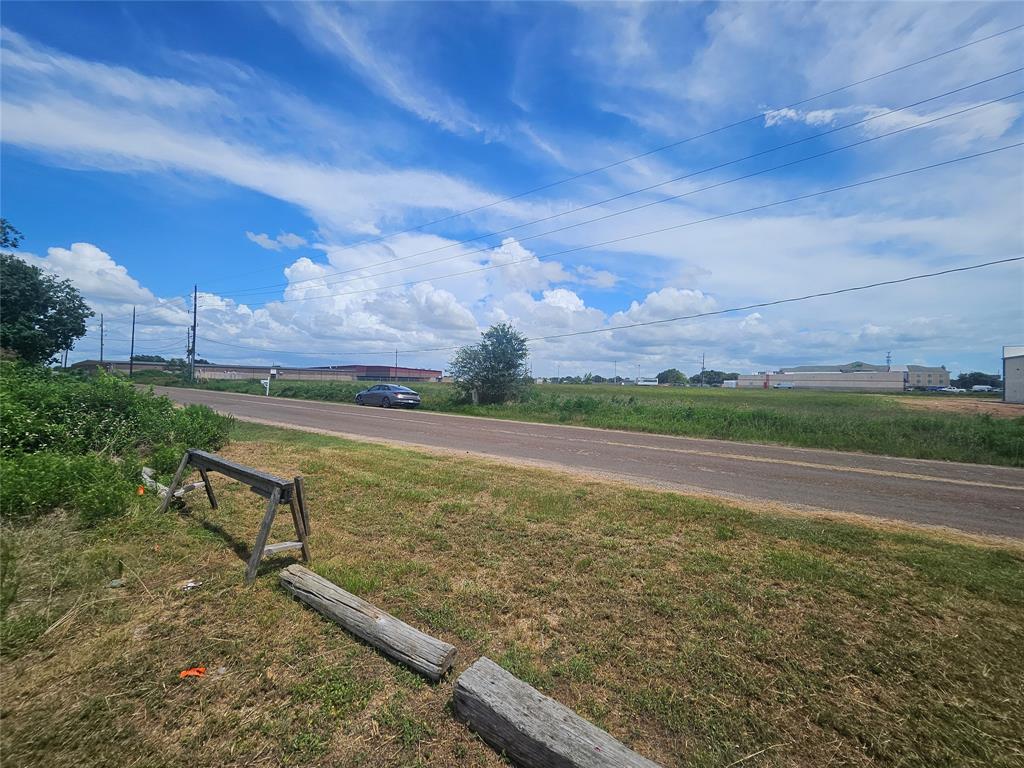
point(696, 632)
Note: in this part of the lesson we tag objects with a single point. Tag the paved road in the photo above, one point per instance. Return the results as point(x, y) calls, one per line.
point(974, 498)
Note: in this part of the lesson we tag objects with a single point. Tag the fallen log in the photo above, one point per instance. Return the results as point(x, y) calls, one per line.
point(425, 654)
point(532, 729)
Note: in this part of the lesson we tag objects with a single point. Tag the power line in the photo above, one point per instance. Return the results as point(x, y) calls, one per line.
point(886, 113)
point(680, 142)
point(678, 318)
point(669, 198)
point(661, 230)
point(777, 302)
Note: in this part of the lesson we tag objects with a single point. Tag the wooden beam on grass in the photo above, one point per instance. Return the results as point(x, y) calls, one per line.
point(393, 637)
point(533, 730)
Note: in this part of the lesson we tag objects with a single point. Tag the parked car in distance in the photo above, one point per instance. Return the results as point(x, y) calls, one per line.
point(388, 396)
point(953, 390)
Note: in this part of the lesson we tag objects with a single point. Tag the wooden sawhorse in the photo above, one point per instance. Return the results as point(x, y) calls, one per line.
point(275, 489)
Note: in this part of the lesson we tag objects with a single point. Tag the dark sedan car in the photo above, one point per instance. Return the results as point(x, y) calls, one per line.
point(388, 395)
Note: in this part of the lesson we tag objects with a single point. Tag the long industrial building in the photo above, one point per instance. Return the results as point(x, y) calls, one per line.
point(206, 371)
point(856, 376)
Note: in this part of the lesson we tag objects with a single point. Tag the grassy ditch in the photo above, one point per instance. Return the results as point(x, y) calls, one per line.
point(698, 633)
point(879, 424)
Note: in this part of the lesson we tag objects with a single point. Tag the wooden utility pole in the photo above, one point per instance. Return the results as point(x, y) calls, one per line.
point(396, 365)
point(192, 356)
point(101, 337)
point(131, 354)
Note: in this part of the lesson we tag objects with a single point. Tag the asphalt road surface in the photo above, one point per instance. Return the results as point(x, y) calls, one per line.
point(974, 498)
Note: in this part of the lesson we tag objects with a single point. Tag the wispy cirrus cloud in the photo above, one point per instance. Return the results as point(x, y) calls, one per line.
point(346, 34)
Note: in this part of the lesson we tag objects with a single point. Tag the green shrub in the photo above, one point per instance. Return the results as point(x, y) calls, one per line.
point(77, 442)
point(42, 410)
point(91, 486)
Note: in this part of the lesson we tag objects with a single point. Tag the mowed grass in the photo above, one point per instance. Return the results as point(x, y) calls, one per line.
point(865, 422)
point(698, 633)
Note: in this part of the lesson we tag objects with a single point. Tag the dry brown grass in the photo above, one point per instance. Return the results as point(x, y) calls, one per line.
point(697, 633)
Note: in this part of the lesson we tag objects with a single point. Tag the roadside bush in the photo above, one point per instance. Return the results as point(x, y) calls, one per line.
point(91, 486)
point(78, 443)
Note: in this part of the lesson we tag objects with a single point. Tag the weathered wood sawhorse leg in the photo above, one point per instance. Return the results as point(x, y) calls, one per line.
point(275, 489)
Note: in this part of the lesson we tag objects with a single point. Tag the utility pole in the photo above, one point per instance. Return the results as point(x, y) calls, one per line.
point(702, 370)
point(195, 317)
point(101, 337)
point(396, 365)
point(131, 355)
point(616, 369)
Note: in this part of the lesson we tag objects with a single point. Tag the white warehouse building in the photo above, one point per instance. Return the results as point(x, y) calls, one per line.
point(856, 376)
point(1013, 374)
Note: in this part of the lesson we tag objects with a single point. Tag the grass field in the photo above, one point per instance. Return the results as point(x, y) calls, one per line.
point(869, 423)
point(698, 633)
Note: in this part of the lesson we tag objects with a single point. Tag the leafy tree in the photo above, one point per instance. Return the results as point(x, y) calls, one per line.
point(977, 378)
point(493, 371)
point(10, 237)
point(40, 315)
point(713, 378)
point(149, 359)
point(672, 376)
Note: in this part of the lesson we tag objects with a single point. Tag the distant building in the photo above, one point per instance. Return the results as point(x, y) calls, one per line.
point(922, 377)
point(864, 381)
point(855, 376)
point(205, 371)
point(1013, 374)
point(644, 381)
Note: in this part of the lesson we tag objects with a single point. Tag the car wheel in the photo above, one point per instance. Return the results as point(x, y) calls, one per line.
point(359, 400)
point(385, 403)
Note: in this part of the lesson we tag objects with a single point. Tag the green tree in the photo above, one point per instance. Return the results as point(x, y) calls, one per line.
point(40, 315)
point(672, 376)
point(493, 371)
point(149, 359)
point(977, 378)
point(713, 378)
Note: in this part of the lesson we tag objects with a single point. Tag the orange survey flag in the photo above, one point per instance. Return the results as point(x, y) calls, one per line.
point(192, 672)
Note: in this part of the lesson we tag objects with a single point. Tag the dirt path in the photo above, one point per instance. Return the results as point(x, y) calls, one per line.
point(962, 404)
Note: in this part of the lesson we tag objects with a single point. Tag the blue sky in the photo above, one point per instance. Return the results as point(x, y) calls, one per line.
point(269, 152)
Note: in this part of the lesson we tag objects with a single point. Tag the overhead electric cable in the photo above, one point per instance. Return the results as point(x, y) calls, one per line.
point(661, 321)
point(660, 230)
point(647, 153)
point(876, 116)
point(649, 204)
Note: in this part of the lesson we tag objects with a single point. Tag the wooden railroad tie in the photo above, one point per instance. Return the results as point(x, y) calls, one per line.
point(531, 729)
point(427, 655)
point(275, 489)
